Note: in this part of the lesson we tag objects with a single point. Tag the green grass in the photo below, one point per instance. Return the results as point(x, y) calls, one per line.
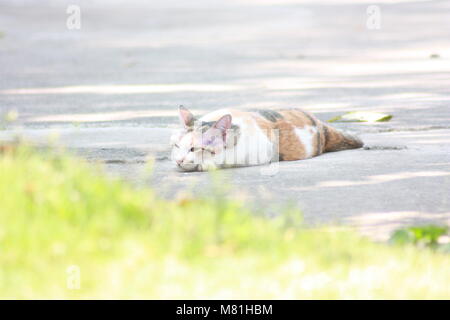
point(425, 236)
point(57, 212)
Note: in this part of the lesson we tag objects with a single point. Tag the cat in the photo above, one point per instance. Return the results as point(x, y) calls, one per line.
point(233, 138)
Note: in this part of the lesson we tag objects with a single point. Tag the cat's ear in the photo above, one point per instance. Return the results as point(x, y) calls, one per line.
point(186, 117)
point(223, 124)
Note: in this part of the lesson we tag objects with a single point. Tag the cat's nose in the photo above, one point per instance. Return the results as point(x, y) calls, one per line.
point(179, 162)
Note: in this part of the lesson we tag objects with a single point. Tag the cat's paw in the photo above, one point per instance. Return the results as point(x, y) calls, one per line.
point(207, 167)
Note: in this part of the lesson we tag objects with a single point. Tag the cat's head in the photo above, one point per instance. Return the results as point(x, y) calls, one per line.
point(199, 146)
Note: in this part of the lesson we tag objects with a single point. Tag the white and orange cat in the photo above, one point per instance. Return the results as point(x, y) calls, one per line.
point(232, 138)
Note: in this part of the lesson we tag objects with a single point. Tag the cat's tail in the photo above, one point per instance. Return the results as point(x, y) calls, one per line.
point(336, 140)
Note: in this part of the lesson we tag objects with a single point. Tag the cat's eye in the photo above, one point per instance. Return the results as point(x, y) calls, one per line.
point(176, 146)
point(201, 149)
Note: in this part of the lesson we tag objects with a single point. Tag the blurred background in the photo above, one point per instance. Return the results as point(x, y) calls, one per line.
point(104, 79)
point(107, 78)
point(132, 63)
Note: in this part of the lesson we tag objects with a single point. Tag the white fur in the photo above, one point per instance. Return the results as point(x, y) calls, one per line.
point(253, 147)
point(306, 136)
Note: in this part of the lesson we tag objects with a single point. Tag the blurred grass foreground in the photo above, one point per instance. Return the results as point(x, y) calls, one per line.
point(67, 231)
